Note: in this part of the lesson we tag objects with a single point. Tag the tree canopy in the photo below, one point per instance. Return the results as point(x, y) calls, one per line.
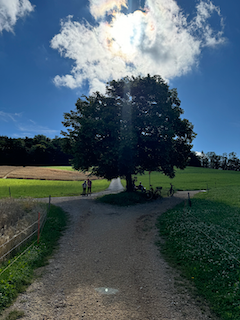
point(39, 150)
point(135, 126)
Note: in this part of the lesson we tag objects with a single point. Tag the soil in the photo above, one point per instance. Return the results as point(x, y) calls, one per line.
point(41, 173)
point(108, 267)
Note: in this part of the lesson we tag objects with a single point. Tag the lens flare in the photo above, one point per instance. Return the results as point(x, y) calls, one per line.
point(125, 34)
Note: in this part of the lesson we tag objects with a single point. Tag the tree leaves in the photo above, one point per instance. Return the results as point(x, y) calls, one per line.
point(136, 126)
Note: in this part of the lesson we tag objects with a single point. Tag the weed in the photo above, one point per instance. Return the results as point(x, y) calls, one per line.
point(14, 315)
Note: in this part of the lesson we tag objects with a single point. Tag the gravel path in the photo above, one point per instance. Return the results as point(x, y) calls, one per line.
point(108, 267)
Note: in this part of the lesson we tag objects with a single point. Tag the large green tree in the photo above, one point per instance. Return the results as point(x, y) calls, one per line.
point(135, 126)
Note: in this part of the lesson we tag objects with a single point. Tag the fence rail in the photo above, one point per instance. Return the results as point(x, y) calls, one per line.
point(40, 222)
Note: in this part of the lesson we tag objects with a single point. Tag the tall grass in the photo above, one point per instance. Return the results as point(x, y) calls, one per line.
point(17, 218)
point(44, 188)
point(203, 241)
point(20, 274)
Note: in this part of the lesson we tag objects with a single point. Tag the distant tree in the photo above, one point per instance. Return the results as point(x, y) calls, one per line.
point(224, 161)
point(204, 160)
point(214, 160)
point(233, 162)
point(194, 160)
point(135, 126)
point(39, 150)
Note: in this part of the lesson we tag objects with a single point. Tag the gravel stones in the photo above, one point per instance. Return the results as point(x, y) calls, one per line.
point(108, 267)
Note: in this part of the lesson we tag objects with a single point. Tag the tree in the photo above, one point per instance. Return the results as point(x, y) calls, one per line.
point(135, 126)
point(204, 160)
point(233, 162)
point(223, 161)
point(214, 160)
point(194, 160)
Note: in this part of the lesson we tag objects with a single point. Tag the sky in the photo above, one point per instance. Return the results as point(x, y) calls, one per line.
point(53, 52)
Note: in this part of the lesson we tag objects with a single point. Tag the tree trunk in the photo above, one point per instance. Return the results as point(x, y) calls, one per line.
point(129, 182)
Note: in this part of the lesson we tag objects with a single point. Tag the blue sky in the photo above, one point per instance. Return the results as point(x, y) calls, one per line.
point(52, 52)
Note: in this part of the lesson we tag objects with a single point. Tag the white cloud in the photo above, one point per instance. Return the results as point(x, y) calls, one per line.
point(11, 11)
point(158, 40)
point(6, 116)
point(30, 128)
point(99, 8)
point(27, 127)
point(33, 129)
point(198, 153)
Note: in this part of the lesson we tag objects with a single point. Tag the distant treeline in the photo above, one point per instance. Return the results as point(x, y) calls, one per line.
point(39, 150)
point(212, 160)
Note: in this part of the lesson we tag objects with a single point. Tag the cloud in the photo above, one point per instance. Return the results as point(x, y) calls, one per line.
point(6, 116)
point(31, 128)
point(156, 40)
point(99, 8)
point(27, 127)
point(11, 11)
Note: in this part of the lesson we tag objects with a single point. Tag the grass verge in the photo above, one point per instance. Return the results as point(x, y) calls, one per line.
point(203, 241)
point(20, 274)
point(124, 198)
point(43, 188)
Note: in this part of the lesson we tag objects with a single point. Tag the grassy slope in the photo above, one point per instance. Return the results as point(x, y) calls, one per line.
point(44, 188)
point(203, 240)
point(191, 178)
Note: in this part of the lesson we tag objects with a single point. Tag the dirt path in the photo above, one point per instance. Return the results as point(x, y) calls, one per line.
point(108, 267)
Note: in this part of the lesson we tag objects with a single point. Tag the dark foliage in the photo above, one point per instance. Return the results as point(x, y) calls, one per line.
point(39, 150)
point(223, 162)
point(135, 126)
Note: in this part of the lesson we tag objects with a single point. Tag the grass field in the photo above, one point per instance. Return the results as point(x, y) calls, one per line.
point(43, 173)
point(203, 242)
point(67, 168)
point(191, 179)
point(44, 188)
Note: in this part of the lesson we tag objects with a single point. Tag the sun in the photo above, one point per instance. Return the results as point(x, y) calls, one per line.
point(124, 34)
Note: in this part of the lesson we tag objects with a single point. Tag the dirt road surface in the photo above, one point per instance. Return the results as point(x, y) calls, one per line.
point(108, 267)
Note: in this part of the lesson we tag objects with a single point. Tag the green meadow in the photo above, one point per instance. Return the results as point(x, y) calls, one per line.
point(191, 178)
point(68, 168)
point(43, 188)
point(203, 240)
